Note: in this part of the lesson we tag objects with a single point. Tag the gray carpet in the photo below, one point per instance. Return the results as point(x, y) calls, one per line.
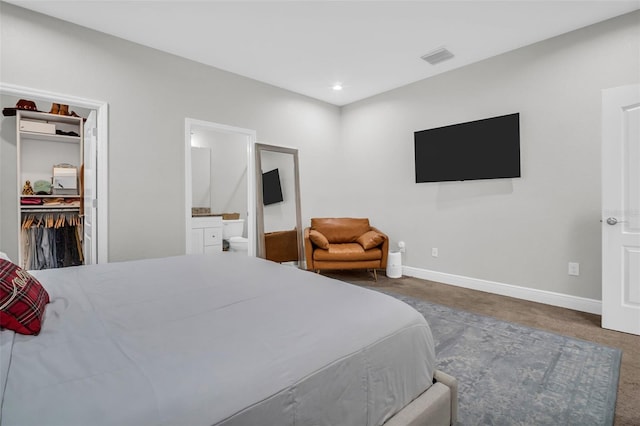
point(510, 374)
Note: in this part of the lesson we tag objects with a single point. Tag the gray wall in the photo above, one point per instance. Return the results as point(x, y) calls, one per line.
point(149, 94)
point(358, 160)
point(516, 231)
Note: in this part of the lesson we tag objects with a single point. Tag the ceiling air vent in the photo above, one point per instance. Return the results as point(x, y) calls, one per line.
point(437, 56)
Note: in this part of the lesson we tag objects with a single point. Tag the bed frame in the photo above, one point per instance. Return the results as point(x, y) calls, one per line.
point(438, 405)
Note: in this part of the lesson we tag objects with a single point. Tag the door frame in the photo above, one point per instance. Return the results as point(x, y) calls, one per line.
point(250, 136)
point(102, 152)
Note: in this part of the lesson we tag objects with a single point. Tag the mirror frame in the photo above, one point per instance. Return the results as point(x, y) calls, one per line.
point(260, 147)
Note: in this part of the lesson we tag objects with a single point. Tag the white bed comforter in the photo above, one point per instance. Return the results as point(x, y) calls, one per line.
point(204, 340)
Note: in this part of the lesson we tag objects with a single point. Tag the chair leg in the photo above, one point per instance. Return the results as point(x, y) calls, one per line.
point(317, 271)
point(375, 274)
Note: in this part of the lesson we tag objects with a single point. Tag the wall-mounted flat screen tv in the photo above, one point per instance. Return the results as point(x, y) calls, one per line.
point(481, 149)
point(271, 189)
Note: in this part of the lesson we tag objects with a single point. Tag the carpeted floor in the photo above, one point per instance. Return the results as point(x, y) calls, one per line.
point(557, 320)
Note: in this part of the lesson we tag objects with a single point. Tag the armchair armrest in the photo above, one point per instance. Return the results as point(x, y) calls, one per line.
point(384, 247)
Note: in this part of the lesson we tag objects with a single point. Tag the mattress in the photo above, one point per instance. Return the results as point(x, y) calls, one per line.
point(212, 340)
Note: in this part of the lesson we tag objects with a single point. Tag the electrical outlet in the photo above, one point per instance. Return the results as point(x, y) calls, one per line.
point(434, 252)
point(574, 268)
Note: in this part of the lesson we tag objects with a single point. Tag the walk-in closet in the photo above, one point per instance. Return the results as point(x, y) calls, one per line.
point(55, 199)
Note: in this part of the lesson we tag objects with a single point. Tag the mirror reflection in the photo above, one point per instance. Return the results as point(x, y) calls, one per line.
point(278, 215)
point(201, 177)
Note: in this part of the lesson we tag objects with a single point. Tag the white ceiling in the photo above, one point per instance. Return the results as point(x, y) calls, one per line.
point(308, 46)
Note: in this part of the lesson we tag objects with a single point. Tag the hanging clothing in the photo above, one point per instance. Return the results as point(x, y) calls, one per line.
point(51, 240)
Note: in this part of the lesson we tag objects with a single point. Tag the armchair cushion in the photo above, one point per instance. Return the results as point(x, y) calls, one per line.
point(346, 252)
point(370, 239)
point(318, 239)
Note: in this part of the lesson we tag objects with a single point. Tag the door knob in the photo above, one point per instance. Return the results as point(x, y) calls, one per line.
point(614, 221)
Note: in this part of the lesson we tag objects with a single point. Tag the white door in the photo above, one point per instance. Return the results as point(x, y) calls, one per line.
point(90, 210)
point(621, 209)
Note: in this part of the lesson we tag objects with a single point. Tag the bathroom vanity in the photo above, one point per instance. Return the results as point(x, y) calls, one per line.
point(206, 234)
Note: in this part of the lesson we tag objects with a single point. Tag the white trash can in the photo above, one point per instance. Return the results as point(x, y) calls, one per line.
point(394, 264)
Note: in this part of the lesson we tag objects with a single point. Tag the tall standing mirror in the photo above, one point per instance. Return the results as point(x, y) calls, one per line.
point(278, 218)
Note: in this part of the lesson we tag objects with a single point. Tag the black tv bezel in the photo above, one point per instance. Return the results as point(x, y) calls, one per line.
point(517, 173)
point(271, 181)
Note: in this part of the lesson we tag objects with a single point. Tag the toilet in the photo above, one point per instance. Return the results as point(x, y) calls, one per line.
point(232, 232)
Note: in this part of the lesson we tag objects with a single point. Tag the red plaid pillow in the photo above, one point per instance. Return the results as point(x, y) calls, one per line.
point(22, 299)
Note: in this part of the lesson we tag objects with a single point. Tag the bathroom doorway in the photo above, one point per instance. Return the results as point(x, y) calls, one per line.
point(219, 175)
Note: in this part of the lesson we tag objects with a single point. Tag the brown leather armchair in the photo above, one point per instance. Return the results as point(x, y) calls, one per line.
point(345, 243)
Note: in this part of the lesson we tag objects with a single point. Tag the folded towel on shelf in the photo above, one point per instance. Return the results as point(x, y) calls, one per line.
point(65, 202)
point(31, 201)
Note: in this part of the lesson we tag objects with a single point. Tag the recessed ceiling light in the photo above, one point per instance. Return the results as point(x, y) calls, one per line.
point(337, 87)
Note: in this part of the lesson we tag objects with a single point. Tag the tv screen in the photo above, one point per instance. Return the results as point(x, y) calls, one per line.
point(481, 149)
point(271, 189)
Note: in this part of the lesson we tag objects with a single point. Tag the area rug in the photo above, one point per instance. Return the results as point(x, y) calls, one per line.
point(509, 374)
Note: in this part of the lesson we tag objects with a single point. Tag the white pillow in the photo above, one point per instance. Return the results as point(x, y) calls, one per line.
point(4, 256)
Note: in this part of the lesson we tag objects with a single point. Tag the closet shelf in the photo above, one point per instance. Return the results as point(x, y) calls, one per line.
point(50, 196)
point(53, 118)
point(50, 137)
point(47, 208)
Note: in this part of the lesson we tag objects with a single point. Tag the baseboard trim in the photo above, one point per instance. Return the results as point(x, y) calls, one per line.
point(576, 303)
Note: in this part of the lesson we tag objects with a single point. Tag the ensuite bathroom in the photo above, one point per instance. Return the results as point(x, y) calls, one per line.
point(219, 183)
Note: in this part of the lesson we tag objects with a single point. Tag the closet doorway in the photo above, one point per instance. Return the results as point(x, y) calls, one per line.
point(95, 176)
point(219, 175)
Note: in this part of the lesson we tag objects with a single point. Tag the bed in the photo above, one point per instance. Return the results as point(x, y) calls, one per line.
point(220, 340)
